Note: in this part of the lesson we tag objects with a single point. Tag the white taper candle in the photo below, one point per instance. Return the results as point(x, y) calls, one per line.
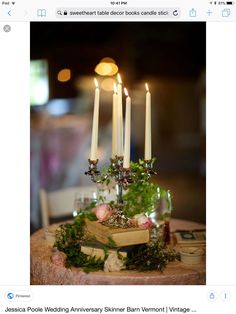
point(126, 163)
point(114, 123)
point(148, 127)
point(94, 140)
point(119, 118)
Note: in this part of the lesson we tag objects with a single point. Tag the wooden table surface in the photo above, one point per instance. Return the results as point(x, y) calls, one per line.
point(43, 272)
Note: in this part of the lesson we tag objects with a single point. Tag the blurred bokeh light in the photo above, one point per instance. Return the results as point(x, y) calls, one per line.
point(39, 85)
point(108, 84)
point(106, 68)
point(64, 75)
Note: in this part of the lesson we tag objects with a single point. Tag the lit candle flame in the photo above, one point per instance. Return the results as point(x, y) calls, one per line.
point(115, 88)
point(96, 82)
point(126, 92)
point(147, 88)
point(119, 78)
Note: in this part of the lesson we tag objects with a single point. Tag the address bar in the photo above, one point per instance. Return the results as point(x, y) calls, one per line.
point(115, 13)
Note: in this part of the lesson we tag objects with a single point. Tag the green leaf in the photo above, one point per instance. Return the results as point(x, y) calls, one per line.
point(111, 243)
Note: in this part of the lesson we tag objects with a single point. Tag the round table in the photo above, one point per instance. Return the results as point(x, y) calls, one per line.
point(43, 272)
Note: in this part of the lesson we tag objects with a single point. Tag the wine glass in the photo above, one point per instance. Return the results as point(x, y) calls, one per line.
point(84, 200)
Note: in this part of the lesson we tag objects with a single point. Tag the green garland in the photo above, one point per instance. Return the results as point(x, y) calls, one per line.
point(154, 256)
point(70, 236)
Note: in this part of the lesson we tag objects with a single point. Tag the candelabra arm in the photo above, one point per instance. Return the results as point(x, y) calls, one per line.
point(148, 166)
point(93, 172)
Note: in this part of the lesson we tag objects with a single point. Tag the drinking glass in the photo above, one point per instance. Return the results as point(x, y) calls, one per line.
point(162, 213)
point(83, 199)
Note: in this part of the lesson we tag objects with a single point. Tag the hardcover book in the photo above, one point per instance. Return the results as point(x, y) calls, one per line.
point(121, 237)
point(191, 237)
point(96, 249)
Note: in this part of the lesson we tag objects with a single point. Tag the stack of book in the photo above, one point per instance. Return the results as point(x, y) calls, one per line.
point(123, 240)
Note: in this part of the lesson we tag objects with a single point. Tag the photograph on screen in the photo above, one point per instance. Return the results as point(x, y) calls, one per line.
point(117, 151)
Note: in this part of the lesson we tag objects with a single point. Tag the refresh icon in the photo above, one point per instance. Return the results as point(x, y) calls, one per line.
point(175, 13)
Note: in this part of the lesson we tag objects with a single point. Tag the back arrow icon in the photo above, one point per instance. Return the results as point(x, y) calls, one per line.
point(9, 13)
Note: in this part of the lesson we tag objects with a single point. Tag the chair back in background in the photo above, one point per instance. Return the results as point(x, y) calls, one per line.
point(60, 203)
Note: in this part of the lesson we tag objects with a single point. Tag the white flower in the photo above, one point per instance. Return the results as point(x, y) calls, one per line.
point(113, 263)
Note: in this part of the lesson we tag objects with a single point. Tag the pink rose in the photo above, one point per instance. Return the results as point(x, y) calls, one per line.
point(103, 212)
point(143, 221)
point(58, 258)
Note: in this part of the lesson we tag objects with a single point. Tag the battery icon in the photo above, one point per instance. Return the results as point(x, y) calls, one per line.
point(229, 2)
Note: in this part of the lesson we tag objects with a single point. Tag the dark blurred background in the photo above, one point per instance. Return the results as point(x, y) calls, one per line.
point(171, 57)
